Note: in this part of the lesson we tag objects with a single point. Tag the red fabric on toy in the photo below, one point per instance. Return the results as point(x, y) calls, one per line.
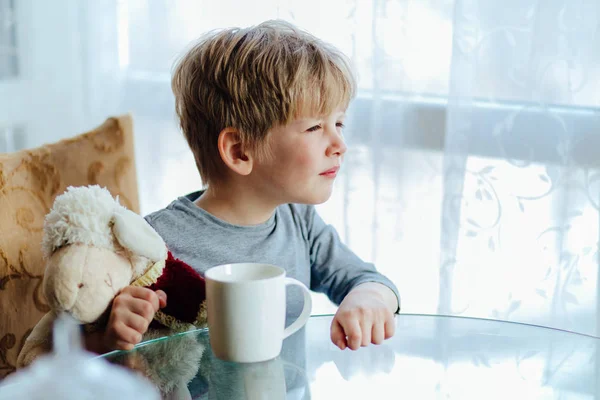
point(185, 289)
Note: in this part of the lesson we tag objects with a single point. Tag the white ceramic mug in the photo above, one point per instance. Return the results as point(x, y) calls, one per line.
point(246, 306)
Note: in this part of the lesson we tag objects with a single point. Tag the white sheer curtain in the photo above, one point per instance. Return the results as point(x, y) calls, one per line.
point(471, 177)
point(520, 227)
point(387, 201)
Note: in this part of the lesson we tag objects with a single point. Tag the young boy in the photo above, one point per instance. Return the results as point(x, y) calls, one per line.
point(262, 110)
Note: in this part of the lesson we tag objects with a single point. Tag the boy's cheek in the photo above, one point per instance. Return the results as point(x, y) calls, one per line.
point(303, 160)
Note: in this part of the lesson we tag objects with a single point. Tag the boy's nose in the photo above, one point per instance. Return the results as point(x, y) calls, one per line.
point(337, 146)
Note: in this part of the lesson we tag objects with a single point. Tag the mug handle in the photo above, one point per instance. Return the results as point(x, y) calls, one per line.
point(305, 314)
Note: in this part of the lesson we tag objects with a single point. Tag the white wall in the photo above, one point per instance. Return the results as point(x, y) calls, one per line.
point(48, 99)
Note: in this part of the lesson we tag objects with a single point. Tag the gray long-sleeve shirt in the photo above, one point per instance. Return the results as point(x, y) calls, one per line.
point(294, 238)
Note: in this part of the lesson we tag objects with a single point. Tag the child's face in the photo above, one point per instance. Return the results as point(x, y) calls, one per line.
point(306, 154)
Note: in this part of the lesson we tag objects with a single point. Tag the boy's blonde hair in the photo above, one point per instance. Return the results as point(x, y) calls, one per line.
point(252, 80)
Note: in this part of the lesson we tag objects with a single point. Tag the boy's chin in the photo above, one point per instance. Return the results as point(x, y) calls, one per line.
point(315, 198)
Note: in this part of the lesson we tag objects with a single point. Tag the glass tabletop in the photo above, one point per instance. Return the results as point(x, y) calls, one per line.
point(429, 357)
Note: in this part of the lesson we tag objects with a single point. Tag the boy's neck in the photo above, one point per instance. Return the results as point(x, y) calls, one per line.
point(236, 206)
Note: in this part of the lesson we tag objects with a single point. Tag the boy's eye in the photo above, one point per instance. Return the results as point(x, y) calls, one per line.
point(317, 127)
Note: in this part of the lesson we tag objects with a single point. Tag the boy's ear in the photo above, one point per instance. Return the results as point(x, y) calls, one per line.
point(232, 153)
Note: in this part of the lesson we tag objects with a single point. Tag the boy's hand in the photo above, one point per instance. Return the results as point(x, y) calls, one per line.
point(366, 315)
point(132, 311)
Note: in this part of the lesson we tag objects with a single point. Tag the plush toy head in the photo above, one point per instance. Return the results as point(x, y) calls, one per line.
point(95, 247)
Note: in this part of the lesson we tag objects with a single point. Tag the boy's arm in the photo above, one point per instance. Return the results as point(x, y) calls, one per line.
point(336, 270)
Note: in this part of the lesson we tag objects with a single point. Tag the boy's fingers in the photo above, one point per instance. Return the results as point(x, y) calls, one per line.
point(353, 333)
point(136, 291)
point(141, 308)
point(162, 298)
point(138, 322)
point(390, 328)
point(124, 335)
point(366, 329)
point(151, 297)
point(378, 333)
point(337, 335)
point(143, 294)
point(122, 345)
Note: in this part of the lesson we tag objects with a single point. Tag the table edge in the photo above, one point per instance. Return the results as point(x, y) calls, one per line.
point(439, 316)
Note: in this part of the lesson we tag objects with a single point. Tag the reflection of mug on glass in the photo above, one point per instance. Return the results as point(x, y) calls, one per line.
point(246, 305)
point(273, 379)
point(264, 380)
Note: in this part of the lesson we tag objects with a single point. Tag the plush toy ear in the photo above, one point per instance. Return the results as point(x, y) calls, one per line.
point(135, 234)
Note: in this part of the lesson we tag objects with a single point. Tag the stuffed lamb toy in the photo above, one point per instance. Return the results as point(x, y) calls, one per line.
point(93, 248)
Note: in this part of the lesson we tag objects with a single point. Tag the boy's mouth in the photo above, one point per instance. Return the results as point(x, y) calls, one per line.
point(330, 172)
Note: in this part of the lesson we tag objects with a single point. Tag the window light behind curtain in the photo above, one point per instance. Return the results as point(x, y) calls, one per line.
point(471, 178)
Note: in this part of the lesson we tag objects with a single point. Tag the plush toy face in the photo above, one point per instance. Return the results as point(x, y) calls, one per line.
point(83, 280)
point(94, 247)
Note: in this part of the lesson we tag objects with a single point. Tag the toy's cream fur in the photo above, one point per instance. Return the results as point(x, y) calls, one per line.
point(90, 216)
point(93, 247)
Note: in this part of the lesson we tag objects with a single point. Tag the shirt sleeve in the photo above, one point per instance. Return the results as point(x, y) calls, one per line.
point(335, 269)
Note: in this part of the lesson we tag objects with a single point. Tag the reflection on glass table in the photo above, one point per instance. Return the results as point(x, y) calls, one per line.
point(429, 357)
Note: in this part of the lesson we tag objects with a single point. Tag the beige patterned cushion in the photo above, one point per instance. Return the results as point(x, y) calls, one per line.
point(29, 182)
